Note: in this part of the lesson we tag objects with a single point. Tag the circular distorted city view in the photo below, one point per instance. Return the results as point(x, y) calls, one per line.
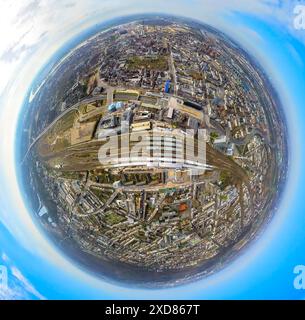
point(153, 151)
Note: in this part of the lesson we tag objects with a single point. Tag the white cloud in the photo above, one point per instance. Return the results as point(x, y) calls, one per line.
point(12, 294)
point(26, 285)
point(18, 286)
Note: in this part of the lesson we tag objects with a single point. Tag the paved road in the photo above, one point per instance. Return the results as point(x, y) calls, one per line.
point(173, 70)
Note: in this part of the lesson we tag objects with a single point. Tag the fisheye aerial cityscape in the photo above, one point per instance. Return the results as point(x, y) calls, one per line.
point(154, 151)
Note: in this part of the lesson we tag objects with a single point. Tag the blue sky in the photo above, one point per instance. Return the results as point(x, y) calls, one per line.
point(37, 269)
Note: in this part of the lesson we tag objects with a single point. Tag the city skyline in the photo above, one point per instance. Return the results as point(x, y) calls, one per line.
point(257, 24)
